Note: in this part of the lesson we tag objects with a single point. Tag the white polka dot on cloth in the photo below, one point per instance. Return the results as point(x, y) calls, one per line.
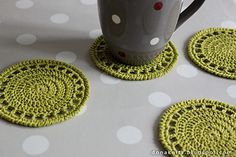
point(231, 90)
point(83, 110)
point(88, 2)
point(154, 41)
point(116, 19)
point(24, 4)
point(35, 145)
point(59, 18)
point(66, 56)
point(187, 71)
point(106, 79)
point(95, 33)
point(129, 135)
point(228, 24)
point(159, 99)
point(26, 39)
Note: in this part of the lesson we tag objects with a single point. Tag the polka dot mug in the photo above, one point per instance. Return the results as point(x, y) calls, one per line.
point(137, 30)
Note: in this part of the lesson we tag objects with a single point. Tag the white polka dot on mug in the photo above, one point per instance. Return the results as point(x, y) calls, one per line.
point(154, 41)
point(116, 19)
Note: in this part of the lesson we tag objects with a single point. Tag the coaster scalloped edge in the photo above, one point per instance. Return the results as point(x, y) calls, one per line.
point(149, 71)
point(197, 56)
point(170, 136)
point(15, 112)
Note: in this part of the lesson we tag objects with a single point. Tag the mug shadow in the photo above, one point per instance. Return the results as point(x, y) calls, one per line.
point(51, 39)
point(80, 46)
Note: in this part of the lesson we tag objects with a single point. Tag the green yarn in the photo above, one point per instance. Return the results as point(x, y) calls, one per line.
point(39, 93)
point(214, 50)
point(199, 126)
point(161, 65)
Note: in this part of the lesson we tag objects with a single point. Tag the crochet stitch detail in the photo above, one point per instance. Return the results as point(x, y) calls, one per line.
point(214, 50)
point(38, 93)
point(202, 126)
point(161, 65)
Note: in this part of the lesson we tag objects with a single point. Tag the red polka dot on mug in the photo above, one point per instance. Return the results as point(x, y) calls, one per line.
point(158, 5)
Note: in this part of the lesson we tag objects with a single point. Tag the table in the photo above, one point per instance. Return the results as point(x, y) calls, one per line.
point(121, 117)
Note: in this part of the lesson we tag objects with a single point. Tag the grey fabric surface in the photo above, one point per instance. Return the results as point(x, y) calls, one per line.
point(121, 116)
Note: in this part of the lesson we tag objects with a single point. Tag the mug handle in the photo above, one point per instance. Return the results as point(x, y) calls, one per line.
point(187, 13)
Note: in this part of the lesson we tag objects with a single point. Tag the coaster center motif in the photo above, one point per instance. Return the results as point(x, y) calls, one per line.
point(41, 92)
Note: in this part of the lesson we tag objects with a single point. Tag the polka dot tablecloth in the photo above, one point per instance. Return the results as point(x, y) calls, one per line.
point(121, 116)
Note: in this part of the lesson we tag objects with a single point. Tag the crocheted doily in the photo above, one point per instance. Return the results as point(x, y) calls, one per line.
point(214, 50)
point(199, 127)
point(161, 65)
point(38, 93)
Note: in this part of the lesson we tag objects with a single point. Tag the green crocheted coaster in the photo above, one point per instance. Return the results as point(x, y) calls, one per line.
point(214, 50)
point(38, 93)
point(199, 128)
point(161, 65)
